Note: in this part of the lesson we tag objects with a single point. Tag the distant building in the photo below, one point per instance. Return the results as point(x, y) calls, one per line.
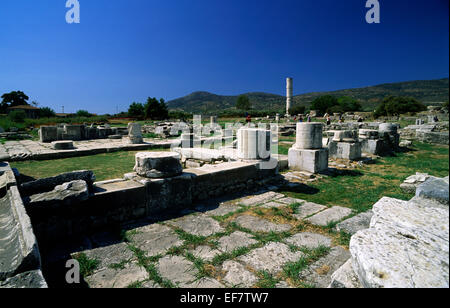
point(31, 111)
point(64, 115)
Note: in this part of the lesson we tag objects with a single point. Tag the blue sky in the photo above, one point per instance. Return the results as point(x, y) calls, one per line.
point(127, 50)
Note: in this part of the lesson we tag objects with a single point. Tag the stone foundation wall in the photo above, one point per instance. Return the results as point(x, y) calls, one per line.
point(122, 201)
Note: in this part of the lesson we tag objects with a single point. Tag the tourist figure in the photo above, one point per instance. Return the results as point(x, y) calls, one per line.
point(300, 118)
point(308, 119)
point(328, 120)
point(248, 119)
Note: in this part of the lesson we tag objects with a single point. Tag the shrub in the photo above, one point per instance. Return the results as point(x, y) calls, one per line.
point(17, 116)
point(297, 110)
point(46, 112)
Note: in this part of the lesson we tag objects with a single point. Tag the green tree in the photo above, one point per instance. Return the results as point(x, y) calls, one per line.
point(349, 104)
point(46, 112)
point(136, 110)
point(243, 103)
point(297, 110)
point(12, 99)
point(396, 105)
point(323, 103)
point(156, 110)
point(83, 113)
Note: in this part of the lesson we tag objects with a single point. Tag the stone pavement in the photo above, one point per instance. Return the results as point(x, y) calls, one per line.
point(35, 150)
point(264, 240)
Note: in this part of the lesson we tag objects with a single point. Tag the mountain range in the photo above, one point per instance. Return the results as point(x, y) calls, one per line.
point(426, 91)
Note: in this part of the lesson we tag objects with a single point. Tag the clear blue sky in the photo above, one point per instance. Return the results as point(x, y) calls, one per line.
point(127, 50)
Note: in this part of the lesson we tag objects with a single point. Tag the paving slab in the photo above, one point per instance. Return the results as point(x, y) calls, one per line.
point(319, 273)
point(257, 224)
point(205, 253)
point(283, 285)
point(260, 199)
point(289, 200)
point(345, 277)
point(271, 257)
point(178, 270)
point(272, 204)
point(222, 210)
point(235, 240)
point(333, 214)
point(200, 225)
point(307, 209)
point(122, 278)
point(309, 240)
point(150, 285)
point(155, 239)
point(237, 275)
point(205, 283)
point(109, 255)
point(355, 223)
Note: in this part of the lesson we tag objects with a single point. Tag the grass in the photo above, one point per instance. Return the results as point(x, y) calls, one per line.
point(363, 187)
point(105, 166)
point(87, 265)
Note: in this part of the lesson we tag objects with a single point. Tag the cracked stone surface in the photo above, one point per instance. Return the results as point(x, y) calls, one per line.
point(271, 257)
point(256, 224)
point(260, 199)
point(235, 240)
point(109, 255)
point(122, 278)
point(308, 209)
point(178, 270)
point(333, 214)
point(309, 240)
point(155, 239)
point(272, 204)
point(319, 273)
point(356, 223)
point(205, 253)
point(200, 225)
point(222, 210)
point(289, 201)
point(237, 275)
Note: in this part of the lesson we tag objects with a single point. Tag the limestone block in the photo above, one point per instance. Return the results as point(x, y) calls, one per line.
point(19, 250)
point(73, 132)
point(435, 189)
point(313, 161)
point(62, 145)
point(48, 133)
point(345, 277)
point(356, 223)
point(158, 164)
point(28, 280)
point(135, 133)
point(345, 150)
point(371, 146)
point(67, 193)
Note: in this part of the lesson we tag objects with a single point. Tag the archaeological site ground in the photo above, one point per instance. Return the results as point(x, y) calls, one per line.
point(201, 205)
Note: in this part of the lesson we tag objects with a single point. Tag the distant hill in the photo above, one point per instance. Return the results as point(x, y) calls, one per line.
point(426, 91)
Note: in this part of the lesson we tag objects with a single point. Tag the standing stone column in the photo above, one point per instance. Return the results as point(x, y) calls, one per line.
point(254, 143)
point(289, 94)
point(135, 133)
point(307, 154)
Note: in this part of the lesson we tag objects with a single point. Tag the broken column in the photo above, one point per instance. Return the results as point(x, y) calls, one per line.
point(158, 164)
point(344, 145)
point(307, 154)
point(253, 143)
point(388, 132)
point(135, 133)
point(370, 142)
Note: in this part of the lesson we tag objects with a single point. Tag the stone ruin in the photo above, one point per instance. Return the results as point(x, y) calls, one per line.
point(307, 154)
point(386, 244)
point(79, 132)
